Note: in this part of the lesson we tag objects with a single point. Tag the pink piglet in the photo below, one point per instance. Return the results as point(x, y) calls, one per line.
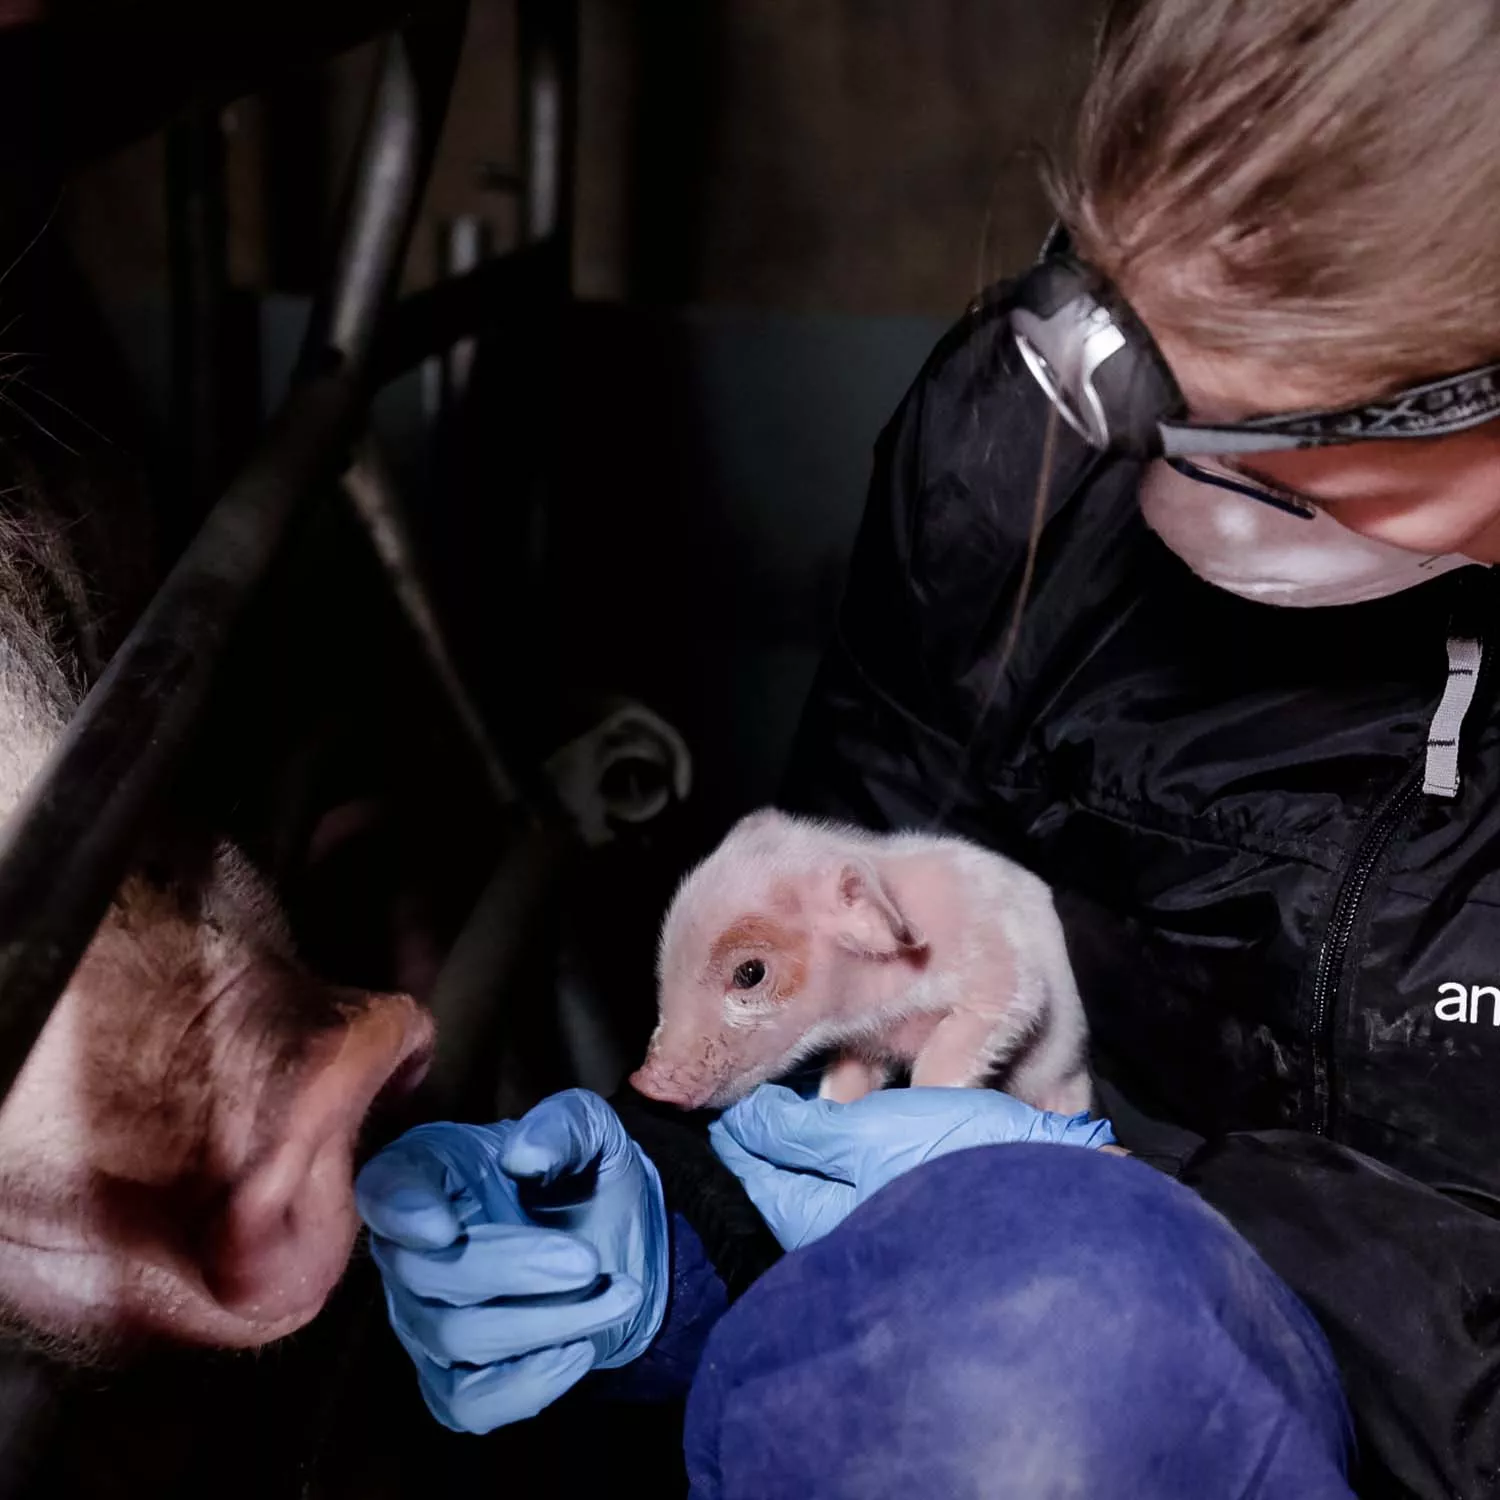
point(796, 937)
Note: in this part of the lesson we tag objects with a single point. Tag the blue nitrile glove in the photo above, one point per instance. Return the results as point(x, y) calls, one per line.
point(808, 1163)
point(519, 1256)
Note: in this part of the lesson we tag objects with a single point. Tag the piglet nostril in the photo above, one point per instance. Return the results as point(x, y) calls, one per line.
point(666, 1088)
point(645, 1081)
point(655, 1085)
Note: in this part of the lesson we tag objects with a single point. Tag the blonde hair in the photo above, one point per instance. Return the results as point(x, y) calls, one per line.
point(1311, 184)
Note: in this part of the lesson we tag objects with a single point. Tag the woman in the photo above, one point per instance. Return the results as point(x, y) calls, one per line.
point(1233, 447)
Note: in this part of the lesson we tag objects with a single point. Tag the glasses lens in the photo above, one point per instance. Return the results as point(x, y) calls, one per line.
point(1046, 377)
point(1223, 475)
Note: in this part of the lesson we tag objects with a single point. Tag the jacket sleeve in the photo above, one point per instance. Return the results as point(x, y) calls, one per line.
point(1404, 1279)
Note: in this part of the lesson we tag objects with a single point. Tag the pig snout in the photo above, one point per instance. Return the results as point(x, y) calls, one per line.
point(282, 1238)
point(179, 1149)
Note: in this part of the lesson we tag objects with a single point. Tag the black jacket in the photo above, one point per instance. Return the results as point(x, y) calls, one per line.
point(1262, 904)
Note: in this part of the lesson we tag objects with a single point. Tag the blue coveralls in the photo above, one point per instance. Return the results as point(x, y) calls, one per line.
point(1021, 1322)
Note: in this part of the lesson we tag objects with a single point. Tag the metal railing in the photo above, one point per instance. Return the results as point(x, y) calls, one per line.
point(66, 848)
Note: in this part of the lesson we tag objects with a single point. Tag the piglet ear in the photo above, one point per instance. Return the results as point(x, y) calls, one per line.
point(762, 817)
point(867, 919)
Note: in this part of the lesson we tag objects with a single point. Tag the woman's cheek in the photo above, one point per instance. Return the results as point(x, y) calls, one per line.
point(1454, 520)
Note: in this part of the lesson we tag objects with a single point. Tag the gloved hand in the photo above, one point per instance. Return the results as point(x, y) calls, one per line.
point(517, 1257)
point(807, 1163)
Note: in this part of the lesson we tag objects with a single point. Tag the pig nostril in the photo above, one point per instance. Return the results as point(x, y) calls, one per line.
point(408, 1075)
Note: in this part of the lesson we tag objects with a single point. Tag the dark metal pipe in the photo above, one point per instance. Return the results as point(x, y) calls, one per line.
point(445, 378)
point(468, 246)
point(371, 488)
point(548, 38)
point(67, 846)
point(376, 501)
point(400, 135)
point(473, 305)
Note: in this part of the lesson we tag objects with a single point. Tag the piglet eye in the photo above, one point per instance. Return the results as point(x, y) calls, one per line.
point(749, 974)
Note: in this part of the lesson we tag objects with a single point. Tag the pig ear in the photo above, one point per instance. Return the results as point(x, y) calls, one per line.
point(867, 920)
point(762, 817)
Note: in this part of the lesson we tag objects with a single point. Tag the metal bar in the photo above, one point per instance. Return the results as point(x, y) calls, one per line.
point(67, 846)
point(445, 377)
point(474, 305)
point(548, 34)
point(372, 492)
point(468, 246)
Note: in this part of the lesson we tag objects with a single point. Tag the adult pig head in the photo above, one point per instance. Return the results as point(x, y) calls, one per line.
point(777, 945)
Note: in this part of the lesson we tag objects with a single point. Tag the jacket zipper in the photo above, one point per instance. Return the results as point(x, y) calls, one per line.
point(1333, 955)
point(1472, 615)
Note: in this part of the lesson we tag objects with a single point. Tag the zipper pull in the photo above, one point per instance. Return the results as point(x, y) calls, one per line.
point(1465, 653)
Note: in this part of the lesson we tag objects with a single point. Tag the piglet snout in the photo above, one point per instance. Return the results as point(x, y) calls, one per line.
point(672, 1085)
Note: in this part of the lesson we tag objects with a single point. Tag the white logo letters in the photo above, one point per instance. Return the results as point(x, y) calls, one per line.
point(1460, 1003)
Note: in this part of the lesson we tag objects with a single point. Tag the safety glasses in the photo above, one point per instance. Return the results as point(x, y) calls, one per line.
point(1225, 474)
point(1106, 377)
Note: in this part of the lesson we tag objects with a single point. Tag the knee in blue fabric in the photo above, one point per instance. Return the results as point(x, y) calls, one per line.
point(1020, 1321)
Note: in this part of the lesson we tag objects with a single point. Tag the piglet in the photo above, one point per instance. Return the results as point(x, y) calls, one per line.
point(797, 938)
